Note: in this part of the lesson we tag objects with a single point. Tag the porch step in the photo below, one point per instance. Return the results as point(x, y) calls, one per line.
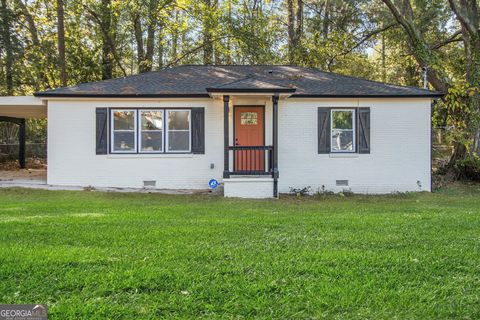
point(257, 187)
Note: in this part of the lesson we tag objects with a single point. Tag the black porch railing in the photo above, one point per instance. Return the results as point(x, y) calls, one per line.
point(251, 160)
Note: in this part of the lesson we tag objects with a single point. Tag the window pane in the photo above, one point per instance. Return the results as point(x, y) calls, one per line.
point(123, 120)
point(178, 120)
point(152, 120)
point(178, 140)
point(124, 141)
point(152, 141)
point(248, 118)
point(342, 120)
point(342, 140)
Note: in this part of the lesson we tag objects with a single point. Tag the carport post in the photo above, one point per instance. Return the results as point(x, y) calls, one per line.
point(21, 140)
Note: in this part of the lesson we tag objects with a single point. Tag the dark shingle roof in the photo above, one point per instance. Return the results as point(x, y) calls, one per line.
point(198, 80)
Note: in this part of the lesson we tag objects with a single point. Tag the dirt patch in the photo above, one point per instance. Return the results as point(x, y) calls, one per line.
point(31, 163)
point(23, 174)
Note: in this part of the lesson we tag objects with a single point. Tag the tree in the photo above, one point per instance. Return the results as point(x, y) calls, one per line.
point(42, 78)
point(466, 13)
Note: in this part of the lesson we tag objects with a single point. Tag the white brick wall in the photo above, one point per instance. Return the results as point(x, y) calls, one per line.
point(400, 142)
point(72, 159)
point(400, 148)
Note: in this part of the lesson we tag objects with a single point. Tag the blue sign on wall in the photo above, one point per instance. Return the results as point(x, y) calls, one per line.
point(213, 183)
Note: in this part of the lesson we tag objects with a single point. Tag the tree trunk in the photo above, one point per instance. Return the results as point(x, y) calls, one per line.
point(107, 56)
point(291, 32)
point(6, 19)
point(467, 13)
point(299, 27)
point(174, 53)
point(207, 33)
point(229, 45)
point(150, 47)
point(326, 20)
point(138, 32)
point(151, 28)
point(61, 43)
point(161, 48)
point(145, 55)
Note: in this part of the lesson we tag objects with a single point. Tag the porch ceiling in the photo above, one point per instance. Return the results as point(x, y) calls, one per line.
point(23, 107)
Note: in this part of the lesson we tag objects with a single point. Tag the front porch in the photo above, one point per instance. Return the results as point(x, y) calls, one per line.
point(250, 145)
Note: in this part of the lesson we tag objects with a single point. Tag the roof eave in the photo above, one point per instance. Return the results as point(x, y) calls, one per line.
point(430, 96)
point(79, 95)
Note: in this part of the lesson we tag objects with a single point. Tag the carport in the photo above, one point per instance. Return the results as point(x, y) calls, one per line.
point(16, 109)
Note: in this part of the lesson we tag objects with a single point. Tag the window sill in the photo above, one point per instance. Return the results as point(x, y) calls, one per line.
point(149, 155)
point(343, 155)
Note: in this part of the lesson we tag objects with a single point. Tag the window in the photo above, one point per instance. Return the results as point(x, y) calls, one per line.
point(154, 130)
point(248, 118)
point(178, 130)
point(151, 131)
point(124, 126)
point(343, 130)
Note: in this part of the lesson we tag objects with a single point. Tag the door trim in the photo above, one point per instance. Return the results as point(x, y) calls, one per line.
point(234, 127)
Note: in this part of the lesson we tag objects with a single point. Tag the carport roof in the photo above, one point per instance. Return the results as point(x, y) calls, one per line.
point(22, 107)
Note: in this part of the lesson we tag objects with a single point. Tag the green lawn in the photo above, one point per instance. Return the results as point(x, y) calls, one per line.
point(99, 255)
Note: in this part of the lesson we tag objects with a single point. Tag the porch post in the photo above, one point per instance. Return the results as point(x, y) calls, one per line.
point(21, 140)
point(226, 163)
point(275, 173)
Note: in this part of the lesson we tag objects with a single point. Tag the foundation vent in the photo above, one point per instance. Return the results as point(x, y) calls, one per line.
point(342, 183)
point(149, 183)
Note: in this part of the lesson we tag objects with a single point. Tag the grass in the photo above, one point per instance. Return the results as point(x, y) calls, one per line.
point(95, 255)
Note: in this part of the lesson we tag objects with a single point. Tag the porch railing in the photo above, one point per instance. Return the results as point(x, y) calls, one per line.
point(251, 160)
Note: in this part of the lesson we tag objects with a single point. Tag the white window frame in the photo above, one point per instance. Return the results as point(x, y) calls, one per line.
point(112, 131)
point(354, 129)
point(140, 131)
point(167, 130)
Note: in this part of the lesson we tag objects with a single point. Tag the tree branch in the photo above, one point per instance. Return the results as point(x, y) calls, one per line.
point(361, 41)
point(463, 17)
point(453, 38)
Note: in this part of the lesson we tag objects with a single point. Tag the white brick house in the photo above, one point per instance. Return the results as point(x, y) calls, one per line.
point(259, 130)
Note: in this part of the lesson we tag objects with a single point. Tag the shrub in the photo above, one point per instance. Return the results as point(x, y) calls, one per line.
point(469, 168)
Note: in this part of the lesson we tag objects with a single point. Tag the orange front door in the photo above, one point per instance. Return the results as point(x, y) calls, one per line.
point(249, 131)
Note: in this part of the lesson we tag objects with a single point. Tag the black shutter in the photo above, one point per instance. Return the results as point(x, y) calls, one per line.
point(198, 130)
point(323, 130)
point(101, 129)
point(363, 131)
